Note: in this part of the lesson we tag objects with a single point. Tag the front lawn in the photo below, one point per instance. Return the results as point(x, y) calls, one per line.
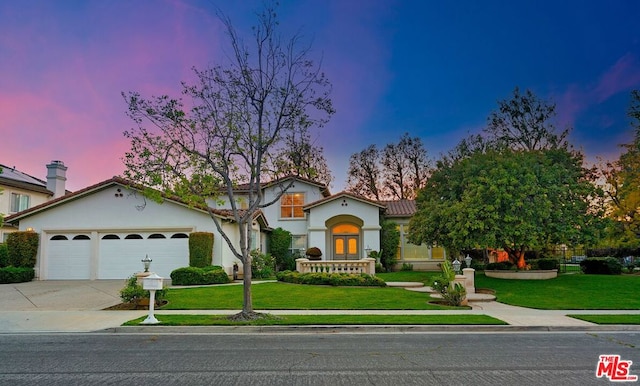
point(609, 319)
point(285, 296)
point(569, 292)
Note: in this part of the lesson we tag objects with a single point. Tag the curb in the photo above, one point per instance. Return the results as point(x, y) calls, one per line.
point(362, 329)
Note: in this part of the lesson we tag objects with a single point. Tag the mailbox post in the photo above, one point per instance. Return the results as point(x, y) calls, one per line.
point(151, 283)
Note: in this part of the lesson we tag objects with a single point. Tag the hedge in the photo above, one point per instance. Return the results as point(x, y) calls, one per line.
point(199, 276)
point(334, 279)
point(606, 266)
point(200, 249)
point(23, 248)
point(16, 274)
point(4, 255)
point(501, 266)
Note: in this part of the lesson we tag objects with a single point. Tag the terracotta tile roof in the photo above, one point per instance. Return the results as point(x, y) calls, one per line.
point(400, 208)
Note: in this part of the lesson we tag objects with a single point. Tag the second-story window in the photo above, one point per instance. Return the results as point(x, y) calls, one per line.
point(291, 205)
point(19, 202)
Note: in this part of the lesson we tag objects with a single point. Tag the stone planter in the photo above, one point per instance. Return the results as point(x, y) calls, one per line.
point(524, 275)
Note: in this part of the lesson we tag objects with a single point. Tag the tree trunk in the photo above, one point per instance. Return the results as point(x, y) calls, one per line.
point(517, 257)
point(247, 303)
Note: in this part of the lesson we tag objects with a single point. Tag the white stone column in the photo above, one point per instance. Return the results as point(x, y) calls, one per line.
point(470, 280)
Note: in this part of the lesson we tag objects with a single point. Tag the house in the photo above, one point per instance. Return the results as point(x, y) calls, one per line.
point(20, 191)
point(344, 226)
point(105, 230)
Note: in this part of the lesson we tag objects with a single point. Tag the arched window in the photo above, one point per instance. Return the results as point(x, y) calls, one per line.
point(157, 236)
point(345, 229)
point(59, 237)
point(111, 237)
point(133, 236)
point(179, 236)
point(82, 237)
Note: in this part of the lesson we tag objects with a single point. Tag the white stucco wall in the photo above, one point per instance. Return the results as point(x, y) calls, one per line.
point(344, 209)
point(118, 209)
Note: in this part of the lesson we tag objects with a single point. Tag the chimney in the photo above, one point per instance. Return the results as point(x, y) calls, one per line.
point(56, 178)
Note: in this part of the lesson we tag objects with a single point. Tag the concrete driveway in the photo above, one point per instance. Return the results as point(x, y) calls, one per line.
point(61, 306)
point(60, 295)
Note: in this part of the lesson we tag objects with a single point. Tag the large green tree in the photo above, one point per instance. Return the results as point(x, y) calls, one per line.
point(238, 116)
point(514, 199)
point(623, 184)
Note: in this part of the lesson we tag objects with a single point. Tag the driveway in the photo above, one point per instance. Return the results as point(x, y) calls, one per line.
point(60, 295)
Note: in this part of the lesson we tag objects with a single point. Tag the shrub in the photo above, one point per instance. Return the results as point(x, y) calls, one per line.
point(334, 279)
point(389, 241)
point(262, 265)
point(200, 249)
point(380, 268)
point(452, 293)
point(501, 266)
point(199, 276)
point(406, 267)
point(546, 263)
point(607, 266)
point(4, 255)
point(22, 249)
point(16, 275)
point(279, 244)
point(133, 293)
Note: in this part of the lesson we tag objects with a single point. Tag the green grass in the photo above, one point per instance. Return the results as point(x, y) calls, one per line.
point(221, 320)
point(609, 319)
point(570, 292)
point(285, 296)
point(418, 276)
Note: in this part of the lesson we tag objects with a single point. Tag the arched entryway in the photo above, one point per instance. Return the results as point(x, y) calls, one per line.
point(346, 241)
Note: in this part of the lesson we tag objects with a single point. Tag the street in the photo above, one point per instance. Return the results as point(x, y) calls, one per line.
point(312, 359)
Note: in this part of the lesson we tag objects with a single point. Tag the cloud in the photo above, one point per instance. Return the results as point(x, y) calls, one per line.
point(622, 76)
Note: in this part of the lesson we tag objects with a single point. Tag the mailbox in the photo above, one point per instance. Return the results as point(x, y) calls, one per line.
point(152, 282)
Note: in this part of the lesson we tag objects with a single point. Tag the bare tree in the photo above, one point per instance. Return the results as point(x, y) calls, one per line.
point(239, 112)
point(395, 173)
point(298, 156)
point(524, 122)
point(364, 173)
point(406, 168)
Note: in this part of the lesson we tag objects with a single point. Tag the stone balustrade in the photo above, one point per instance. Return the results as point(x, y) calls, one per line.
point(365, 265)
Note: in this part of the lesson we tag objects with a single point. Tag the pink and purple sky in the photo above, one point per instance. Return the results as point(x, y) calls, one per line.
point(434, 69)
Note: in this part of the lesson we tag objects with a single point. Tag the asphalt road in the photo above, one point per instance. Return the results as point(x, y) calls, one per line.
point(312, 359)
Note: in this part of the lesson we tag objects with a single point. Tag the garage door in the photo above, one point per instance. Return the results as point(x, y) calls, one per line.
point(69, 257)
point(120, 254)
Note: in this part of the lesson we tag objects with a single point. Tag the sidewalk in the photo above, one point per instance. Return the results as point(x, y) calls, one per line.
point(76, 306)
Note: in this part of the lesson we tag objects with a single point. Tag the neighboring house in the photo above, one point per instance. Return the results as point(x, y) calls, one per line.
point(105, 230)
point(20, 191)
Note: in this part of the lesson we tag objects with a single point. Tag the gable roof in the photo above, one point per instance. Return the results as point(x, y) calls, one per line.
point(340, 195)
point(10, 176)
point(222, 213)
point(323, 188)
point(400, 208)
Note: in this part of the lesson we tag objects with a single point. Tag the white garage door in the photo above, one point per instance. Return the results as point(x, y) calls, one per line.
point(120, 254)
point(69, 257)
